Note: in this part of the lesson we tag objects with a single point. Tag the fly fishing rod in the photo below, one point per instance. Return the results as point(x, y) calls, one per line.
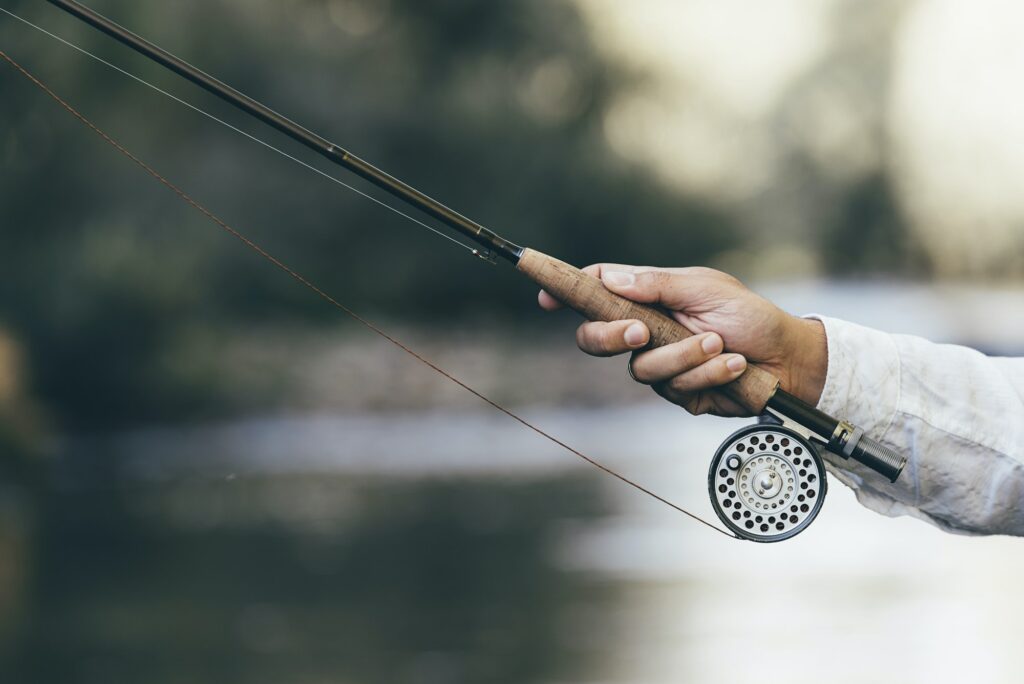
point(767, 481)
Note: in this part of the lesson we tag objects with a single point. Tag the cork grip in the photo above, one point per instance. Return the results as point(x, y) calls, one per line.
point(589, 297)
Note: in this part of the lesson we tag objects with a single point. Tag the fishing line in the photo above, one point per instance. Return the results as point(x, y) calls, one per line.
point(234, 128)
point(775, 469)
point(295, 275)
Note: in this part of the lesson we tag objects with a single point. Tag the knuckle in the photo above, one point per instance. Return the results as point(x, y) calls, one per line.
point(690, 353)
point(596, 339)
point(714, 274)
point(693, 404)
point(702, 377)
point(705, 272)
point(584, 338)
point(681, 383)
point(638, 369)
point(663, 390)
point(609, 340)
point(654, 279)
point(710, 374)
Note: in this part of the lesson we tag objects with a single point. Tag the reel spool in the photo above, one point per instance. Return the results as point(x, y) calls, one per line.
point(767, 483)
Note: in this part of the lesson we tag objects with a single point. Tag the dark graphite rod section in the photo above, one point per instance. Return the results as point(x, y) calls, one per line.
point(471, 229)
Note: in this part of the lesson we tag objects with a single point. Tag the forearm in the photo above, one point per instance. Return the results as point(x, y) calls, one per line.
point(956, 414)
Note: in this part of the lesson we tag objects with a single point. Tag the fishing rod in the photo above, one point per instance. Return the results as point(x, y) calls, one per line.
point(767, 482)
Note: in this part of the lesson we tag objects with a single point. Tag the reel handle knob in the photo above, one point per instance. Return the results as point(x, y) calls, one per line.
point(588, 296)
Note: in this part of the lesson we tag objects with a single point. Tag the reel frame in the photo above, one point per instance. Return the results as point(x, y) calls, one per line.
point(790, 487)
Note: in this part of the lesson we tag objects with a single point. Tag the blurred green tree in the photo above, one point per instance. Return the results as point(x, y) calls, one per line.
point(494, 107)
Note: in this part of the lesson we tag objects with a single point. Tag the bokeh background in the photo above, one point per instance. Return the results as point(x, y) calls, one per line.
point(207, 475)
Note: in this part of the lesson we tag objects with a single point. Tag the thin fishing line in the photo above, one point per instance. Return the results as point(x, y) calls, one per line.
point(234, 128)
point(295, 275)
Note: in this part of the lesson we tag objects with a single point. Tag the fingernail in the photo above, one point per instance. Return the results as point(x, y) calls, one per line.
point(619, 278)
point(736, 363)
point(635, 335)
point(712, 344)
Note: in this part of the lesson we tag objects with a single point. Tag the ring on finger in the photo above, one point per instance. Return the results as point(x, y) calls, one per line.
point(629, 367)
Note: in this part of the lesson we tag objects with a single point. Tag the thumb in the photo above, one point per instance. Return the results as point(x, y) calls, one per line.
point(672, 290)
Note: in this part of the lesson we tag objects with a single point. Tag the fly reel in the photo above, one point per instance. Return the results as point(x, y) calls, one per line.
point(767, 483)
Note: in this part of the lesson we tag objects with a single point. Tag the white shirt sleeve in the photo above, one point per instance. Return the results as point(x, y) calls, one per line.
point(956, 414)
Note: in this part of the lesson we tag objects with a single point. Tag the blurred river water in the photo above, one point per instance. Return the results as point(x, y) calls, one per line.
point(375, 548)
point(448, 545)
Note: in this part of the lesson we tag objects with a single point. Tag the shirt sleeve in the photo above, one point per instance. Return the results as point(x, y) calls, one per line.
point(956, 414)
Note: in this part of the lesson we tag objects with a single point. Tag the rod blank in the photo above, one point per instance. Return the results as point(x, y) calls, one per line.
point(471, 229)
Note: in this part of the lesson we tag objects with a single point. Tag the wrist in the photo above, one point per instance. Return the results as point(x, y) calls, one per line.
point(808, 360)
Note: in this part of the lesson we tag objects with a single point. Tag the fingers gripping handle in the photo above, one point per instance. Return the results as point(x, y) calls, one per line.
point(588, 296)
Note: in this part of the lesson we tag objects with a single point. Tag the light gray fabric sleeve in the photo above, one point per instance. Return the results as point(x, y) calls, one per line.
point(956, 414)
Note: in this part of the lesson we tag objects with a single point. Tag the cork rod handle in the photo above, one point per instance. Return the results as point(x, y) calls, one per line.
point(589, 297)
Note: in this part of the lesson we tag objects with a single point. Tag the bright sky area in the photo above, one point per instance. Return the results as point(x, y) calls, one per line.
point(948, 112)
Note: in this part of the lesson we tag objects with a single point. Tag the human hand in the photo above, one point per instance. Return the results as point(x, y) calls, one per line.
point(731, 326)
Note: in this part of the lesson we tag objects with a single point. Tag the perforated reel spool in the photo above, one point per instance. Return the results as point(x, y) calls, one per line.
point(767, 483)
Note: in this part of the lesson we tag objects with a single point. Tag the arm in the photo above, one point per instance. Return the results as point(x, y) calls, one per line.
point(957, 414)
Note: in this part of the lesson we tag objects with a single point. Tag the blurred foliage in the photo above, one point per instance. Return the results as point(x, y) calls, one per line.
point(836, 196)
point(495, 108)
point(881, 241)
point(21, 479)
